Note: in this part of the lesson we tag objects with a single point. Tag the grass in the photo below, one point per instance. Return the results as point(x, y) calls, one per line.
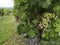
point(7, 27)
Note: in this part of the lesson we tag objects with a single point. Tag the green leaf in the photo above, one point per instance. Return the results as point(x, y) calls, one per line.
point(43, 35)
point(31, 34)
point(58, 25)
point(46, 4)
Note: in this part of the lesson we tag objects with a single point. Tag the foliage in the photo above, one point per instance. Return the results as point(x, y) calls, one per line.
point(6, 11)
point(27, 29)
point(30, 12)
point(1, 12)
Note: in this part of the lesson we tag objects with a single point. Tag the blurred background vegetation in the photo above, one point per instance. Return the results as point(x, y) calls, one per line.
point(8, 28)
